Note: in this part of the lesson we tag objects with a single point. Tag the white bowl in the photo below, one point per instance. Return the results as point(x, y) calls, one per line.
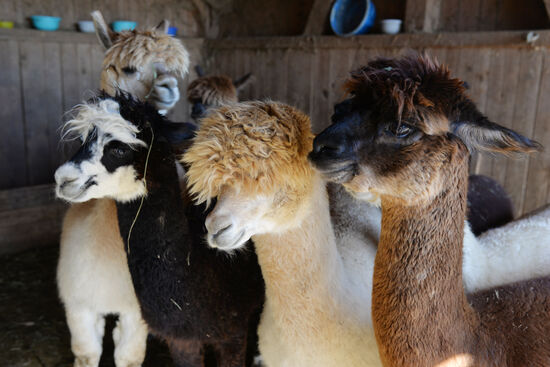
point(391, 26)
point(86, 26)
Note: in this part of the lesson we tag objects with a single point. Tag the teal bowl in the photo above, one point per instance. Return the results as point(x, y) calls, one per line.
point(123, 25)
point(45, 23)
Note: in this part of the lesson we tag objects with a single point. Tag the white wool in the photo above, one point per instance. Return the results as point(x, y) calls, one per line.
point(93, 280)
point(106, 118)
point(517, 251)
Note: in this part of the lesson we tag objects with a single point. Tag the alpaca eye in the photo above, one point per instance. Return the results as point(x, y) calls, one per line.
point(400, 130)
point(119, 152)
point(128, 70)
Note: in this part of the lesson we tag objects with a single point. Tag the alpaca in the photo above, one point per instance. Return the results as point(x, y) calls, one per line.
point(145, 63)
point(92, 274)
point(489, 205)
point(252, 157)
point(193, 298)
point(213, 91)
point(248, 170)
point(405, 134)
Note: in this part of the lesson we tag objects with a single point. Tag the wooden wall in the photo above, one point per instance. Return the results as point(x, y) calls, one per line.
point(147, 13)
point(509, 80)
point(42, 76)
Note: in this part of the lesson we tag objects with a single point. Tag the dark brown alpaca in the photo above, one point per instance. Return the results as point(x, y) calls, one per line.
point(213, 91)
point(405, 134)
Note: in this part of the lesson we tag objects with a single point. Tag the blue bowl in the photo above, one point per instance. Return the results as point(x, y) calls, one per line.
point(45, 23)
point(352, 17)
point(123, 25)
point(172, 31)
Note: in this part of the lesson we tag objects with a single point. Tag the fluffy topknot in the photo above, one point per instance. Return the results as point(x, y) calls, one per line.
point(410, 86)
point(139, 48)
point(254, 147)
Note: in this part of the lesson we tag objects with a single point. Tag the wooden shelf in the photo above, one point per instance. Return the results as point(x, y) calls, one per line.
point(412, 40)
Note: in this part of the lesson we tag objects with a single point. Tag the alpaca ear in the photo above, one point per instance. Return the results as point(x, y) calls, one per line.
point(163, 26)
point(484, 135)
point(243, 81)
point(200, 71)
point(102, 31)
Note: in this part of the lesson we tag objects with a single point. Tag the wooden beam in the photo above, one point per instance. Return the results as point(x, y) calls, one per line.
point(29, 217)
point(423, 16)
point(547, 5)
point(500, 39)
point(318, 17)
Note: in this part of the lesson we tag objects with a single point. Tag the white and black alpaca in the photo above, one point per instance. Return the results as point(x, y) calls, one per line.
point(190, 295)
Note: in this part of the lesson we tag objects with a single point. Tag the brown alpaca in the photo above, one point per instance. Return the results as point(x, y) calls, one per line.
point(404, 134)
point(213, 91)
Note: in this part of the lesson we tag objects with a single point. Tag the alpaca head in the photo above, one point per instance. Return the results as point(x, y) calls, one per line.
point(405, 120)
point(116, 133)
point(143, 63)
point(251, 157)
point(213, 91)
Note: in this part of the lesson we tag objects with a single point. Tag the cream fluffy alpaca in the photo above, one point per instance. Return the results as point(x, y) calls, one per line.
point(94, 280)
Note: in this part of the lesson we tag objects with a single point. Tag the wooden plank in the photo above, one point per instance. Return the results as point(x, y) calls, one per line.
point(488, 15)
point(538, 176)
point(28, 196)
point(317, 17)
point(36, 127)
point(474, 69)
point(340, 65)
point(70, 91)
point(504, 39)
point(12, 139)
point(423, 15)
point(96, 61)
point(527, 89)
point(547, 6)
point(25, 228)
point(469, 18)
point(280, 75)
point(86, 79)
point(503, 112)
point(494, 79)
point(500, 101)
point(83, 8)
point(449, 15)
point(52, 102)
point(319, 90)
point(298, 80)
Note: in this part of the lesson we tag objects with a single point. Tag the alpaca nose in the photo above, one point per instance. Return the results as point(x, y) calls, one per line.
point(326, 144)
point(198, 110)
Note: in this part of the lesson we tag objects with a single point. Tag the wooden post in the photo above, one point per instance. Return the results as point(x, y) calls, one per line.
point(423, 16)
point(317, 17)
point(547, 5)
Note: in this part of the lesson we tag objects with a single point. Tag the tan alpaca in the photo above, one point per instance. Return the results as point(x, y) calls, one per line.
point(213, 91)
point(404, 135)
point(253, 158)
point(92, 275)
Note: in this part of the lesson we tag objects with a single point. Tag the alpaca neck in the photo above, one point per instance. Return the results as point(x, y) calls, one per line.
point(303, 265)
point(160, 219)
point(420, 312)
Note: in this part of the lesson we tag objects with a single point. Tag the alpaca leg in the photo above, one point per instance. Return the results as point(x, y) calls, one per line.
point(87, 330)
point(186, 353)
point(233, 354)
point(130, 338)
